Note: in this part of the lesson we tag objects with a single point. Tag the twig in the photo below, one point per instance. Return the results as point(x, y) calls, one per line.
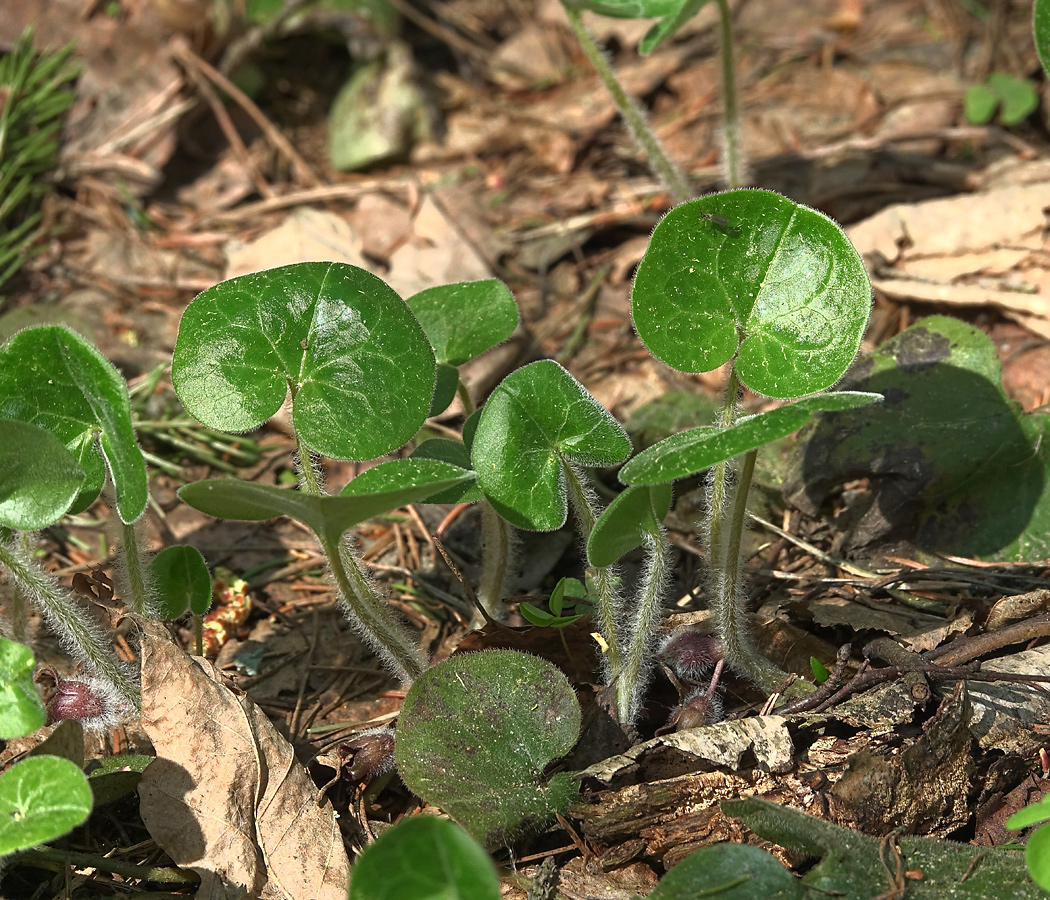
point(47, 858)
point(181, 50)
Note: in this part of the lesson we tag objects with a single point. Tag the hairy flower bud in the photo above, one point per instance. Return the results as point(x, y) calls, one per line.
point(691, 653)
point(91, 700)
point(368, 755)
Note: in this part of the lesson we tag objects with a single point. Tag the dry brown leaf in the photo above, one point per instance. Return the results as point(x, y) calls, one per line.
point(225, 796)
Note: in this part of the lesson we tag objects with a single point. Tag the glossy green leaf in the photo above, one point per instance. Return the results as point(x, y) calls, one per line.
point(113, 777)
point(669, 25)
point(954, 464)
point(424, 858)
point(635, 513)
point(536, 417)
point(456, 454)
point(820, 671)
point(182, 581)
point(41, 798)
point(1030, 815)
point(359, 367)
point(52, 377)
point(1037, 857)
point(228, 498)
point(464, 320)
point(39, 477)
point(1041, 31)
point(689, 452)
point(774, 284)
point(476, 735)
point(21, 709)
point(536, 616)
point(729, 872)
point(445, 389)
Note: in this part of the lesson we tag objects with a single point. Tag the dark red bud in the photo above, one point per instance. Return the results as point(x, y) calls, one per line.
point(691, 653)
point(368, 755)
point(74, 699)
point(699, 710)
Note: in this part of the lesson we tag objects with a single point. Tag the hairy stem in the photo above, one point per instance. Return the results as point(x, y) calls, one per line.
point(609, 605)
point(370, 616)
point(641, 639)
point(727, 512)
point(734, 165)
point(497, 552)
point(632, 114)
point(80, 637)
point(134, 572)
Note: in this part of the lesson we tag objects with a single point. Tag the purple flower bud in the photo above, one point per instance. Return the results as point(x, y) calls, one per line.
point(368, 755)
point(699, 709)
point(74, 699)
point(691, 653)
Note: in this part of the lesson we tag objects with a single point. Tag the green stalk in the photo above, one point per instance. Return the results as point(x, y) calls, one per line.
point(666, 170)
point(138, 587)
point(727, 511)
point(371, 618)
point(643, 625)
point(734, 166)
point(81, 638)
point(609, 605)
point(497, 550)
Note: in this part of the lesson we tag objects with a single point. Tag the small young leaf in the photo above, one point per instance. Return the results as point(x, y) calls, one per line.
point(729, 872)
point(1018, 96)
point(52, 377)
point(820, 671)
point(407, 481)
point(41, 798)
point(535, 615)
point(979, 104)
point(780, 288)
point(359, 366)
point(536, 416)
point(424, 858)
point(1030, 815)
point(182, 580)
point(1037, 857)
point(635, 513)
point(464, 320)
point(39, 477)
point(21, 708)
point(557, 596)
point(689, 452)
point(476, 734)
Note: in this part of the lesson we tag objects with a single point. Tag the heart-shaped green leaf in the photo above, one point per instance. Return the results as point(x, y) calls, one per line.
point(689, 452)
point(41, 798)
point(476, 735)
point(729, 872)
point(39, 477)
point(457, 454)
point(182, 580)
point(113, 777)
point(635, 513)
point(52, 377)
point(536, 417)
point(464, 320)
point(424, 858)
point(359, 367)
point(394, 484)
point(954, 464)
point(752, 275)
point(21, 709)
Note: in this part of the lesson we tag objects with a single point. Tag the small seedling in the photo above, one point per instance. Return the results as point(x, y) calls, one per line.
point(1015, 99)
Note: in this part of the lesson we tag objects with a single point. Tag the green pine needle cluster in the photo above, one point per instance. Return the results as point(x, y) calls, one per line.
point(33, 98)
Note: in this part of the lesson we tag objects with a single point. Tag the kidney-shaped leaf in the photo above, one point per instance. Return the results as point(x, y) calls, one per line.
point(689, 452)
point(635, 513)
point(406, 481)
point(948, 452)
point(41, 798)
point(729, 872)
point(182, 580)
point(476, 734)
point(357, 362)
point(536, 416)
point(21, 709)
point(424, 858)
point(464, 320)
point(39, 477)
point(52, 377)
point(774, 284)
